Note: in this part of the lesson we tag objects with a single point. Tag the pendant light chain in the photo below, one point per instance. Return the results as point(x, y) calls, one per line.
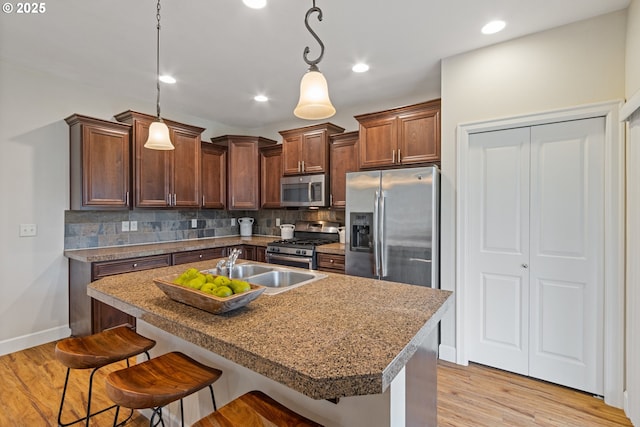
point(158, 61)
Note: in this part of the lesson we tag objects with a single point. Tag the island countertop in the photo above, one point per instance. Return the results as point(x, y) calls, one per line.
point(338, 336)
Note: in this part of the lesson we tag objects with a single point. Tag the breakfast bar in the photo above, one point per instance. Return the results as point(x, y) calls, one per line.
point(342, 350)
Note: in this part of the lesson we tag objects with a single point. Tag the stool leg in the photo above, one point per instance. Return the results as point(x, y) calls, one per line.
point(213, 398)
point(156, 411)
point(64, 392)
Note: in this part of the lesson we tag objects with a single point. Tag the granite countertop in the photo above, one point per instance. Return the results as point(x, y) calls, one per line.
point(133, 251)
point(331, 248)
point(339, 336)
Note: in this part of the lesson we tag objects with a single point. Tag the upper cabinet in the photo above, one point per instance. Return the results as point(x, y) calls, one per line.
point(400, 136)
point(165, 178)
point(99, 163)
point(214, 176)
point(270, 174)
point(343, 158)
point(243, 170)
point(306, 150)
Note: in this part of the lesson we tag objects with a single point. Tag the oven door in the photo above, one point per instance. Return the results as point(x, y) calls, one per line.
point(291, 260)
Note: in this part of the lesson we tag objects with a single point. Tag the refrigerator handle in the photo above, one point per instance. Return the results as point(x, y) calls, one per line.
point(383, 259)
point(376, 251)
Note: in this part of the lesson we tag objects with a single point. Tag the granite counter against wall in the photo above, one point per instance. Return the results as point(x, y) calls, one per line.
point(95, 229)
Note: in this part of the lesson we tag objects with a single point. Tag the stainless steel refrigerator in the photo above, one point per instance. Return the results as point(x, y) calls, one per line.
point(392, 225)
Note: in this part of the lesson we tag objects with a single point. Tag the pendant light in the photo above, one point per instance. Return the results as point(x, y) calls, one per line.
point(314, 102)
point(158, 131)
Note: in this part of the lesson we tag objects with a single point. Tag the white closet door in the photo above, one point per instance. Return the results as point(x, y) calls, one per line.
point(566, 264)
point(498, 289)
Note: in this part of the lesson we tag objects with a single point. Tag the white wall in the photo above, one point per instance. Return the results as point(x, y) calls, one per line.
point(34, 189)
point(572, 65)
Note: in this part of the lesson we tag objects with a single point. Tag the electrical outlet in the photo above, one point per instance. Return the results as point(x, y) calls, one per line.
point(125, 226)
point(194, 223)
point(233, 222)
point(277, 222)
point(133, 225)
point(28, 230)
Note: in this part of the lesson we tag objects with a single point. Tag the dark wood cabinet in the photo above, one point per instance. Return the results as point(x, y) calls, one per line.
point(88, 316)
point(199, 255)
point(243, 169)
point(343, 158)
point(333, 263)
point(247, 252)
point(261, 253)
point(214, 176)
point(165, 178)
point(270, 174)
point(306, 150)
point(99, 163)
point(401, 136)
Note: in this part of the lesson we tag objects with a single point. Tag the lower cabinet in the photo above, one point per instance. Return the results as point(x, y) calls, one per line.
point(261, 253)
point(332, 263)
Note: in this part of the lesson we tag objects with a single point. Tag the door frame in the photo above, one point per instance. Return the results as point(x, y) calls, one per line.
point(614, 231)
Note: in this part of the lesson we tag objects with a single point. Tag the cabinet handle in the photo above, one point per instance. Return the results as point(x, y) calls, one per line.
point(200, 256)
point(135, 265)
point(393, 156)
point(169, 199)
point(299, 168)
point(331, 199)
point(331, 261)
point(525, 265)
point(127, 198)
point(175, 199)
point(399, 158)
point(303, 166)
point(233, 201)
point(202, 200)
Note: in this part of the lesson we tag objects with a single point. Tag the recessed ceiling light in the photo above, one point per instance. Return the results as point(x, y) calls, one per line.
point(360, 67)
point(255, 4)
point(167, 79)
point(493, 27)
point(260, 98)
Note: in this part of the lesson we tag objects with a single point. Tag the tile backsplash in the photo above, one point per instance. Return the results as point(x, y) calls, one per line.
point(94, 229)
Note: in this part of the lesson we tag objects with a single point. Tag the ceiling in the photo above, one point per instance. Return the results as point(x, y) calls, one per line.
point(223, 53)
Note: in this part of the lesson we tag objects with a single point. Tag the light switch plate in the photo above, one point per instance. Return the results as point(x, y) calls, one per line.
point(277, 222)
point(233, 222)
point(125, 226)
point(194, 223)
point(133, 225)
point(28, 230)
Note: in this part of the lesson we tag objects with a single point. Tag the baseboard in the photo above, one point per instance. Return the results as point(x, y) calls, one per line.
point(447, 352)
point(31, 340)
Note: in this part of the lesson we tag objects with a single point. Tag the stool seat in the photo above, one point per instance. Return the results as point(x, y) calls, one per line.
point(255, 409)
point(98, 350)
point(159, 381)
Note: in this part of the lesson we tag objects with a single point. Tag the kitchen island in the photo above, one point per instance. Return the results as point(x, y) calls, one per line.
point(344, 350)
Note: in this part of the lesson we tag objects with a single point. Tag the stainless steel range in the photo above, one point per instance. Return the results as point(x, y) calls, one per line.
point(300, 251)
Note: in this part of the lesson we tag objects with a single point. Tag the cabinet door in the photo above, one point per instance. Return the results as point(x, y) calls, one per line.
point(152, 171)
point(214, 176)
point(99, 163)
point(185, 167)
point(331, 262)
point(314, 152)
point(291, 160)
point(270, 174)
point(343, 158)
point(378, 142)
point(243, 175)
point(261, 254)
point(419, 138)
point(105, 316)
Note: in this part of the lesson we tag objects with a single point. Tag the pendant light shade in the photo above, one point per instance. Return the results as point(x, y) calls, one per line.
point(158, 132)
point(159, 137)
point(314, 102)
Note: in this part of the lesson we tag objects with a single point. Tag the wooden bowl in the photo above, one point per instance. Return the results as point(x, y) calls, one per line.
point(203, 300)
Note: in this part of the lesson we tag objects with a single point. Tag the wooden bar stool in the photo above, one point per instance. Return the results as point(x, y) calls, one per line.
point(160, 381)
point(94, 352)
point(255, 409)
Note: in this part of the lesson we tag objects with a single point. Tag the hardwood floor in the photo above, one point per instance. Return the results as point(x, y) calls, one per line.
point(474, 396)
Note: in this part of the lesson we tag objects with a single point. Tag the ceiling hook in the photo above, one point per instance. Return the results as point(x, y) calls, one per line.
point(317, 10)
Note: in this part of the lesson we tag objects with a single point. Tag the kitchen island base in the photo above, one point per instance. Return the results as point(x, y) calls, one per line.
point(410, 400)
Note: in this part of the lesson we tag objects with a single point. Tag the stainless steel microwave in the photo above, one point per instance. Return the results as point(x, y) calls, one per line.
point(304, 191)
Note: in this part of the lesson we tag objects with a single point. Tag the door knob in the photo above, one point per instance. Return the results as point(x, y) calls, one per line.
point(525, 265)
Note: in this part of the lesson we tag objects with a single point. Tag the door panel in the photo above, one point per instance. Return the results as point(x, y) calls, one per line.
point(498, 195)
point(567, 240)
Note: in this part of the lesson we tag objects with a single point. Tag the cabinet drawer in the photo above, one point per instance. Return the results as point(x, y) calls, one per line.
point(193, 256)
point(108, 268)
point(331, 261)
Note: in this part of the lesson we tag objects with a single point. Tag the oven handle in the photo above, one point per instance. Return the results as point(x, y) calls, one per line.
point(291, 258)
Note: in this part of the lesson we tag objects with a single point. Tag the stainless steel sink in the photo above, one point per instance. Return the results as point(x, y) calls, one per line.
point(275, 279)
point(247, 270)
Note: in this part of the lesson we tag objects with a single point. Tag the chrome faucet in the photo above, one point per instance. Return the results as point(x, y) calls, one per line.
point(235, 253)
